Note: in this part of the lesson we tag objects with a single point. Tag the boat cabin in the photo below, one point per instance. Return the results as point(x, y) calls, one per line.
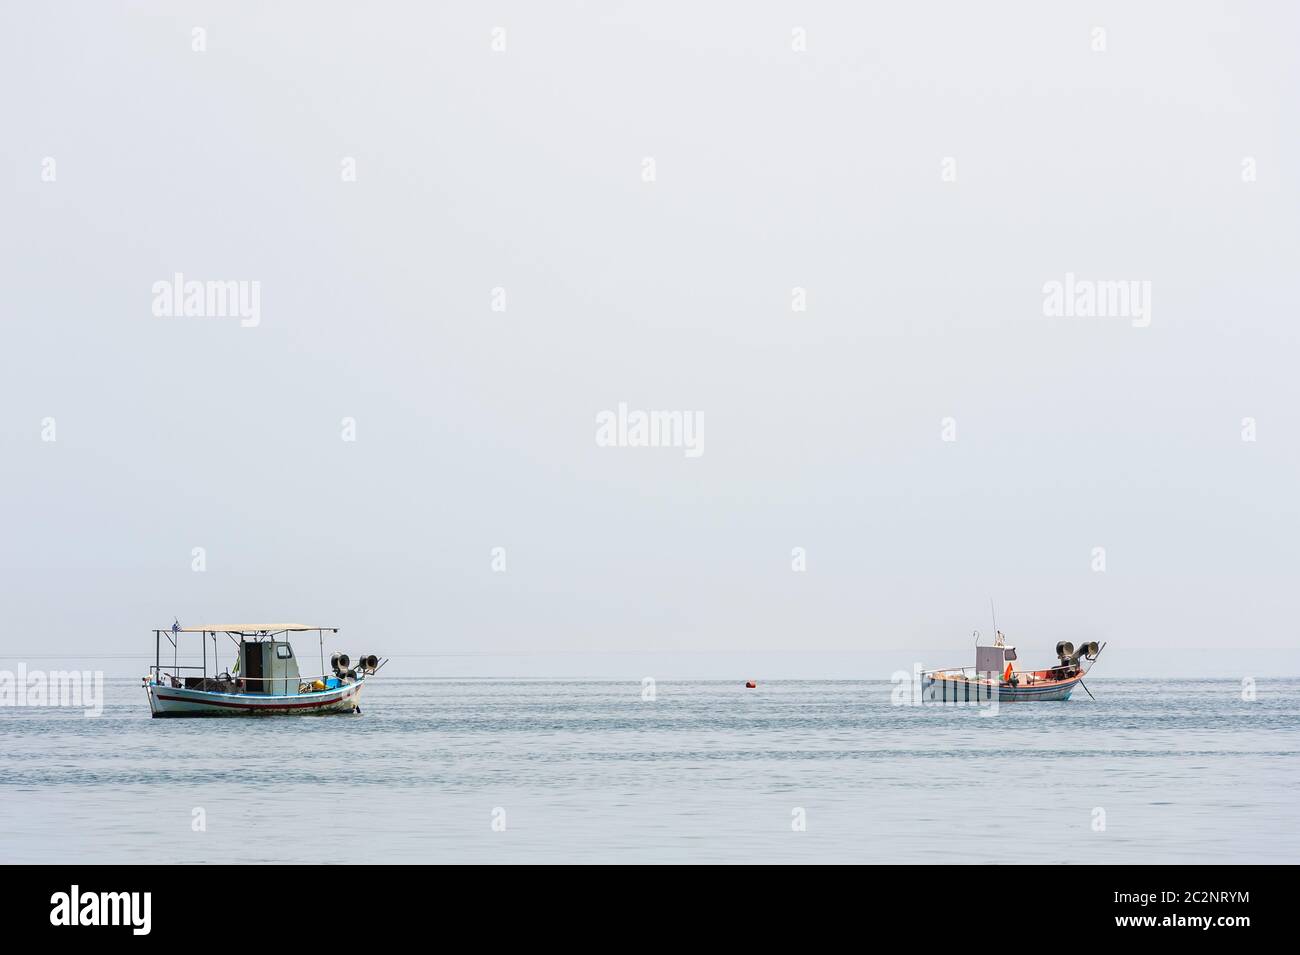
point(993, 660)
point(268, 666)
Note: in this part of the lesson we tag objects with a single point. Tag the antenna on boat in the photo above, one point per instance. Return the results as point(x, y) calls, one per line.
point(996, 635)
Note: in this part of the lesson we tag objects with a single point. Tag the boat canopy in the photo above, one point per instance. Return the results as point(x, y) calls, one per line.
point(251, 628)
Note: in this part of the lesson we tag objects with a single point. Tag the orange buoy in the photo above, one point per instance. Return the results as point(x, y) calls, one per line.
point(751, 685)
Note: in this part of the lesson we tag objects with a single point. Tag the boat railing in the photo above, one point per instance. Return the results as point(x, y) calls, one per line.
point(1025, 676)
point(171, 673)
point(961, 670)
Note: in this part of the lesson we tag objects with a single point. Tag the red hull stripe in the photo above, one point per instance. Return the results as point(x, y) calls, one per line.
point(251, 706)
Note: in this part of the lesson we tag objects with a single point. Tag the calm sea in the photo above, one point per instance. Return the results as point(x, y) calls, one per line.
point(541, 771)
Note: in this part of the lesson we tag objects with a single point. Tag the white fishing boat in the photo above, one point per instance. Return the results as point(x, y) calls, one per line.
point(264, 679)
point(995, 675)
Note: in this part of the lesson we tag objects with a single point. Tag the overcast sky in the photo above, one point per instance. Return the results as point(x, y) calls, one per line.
point(463, 250)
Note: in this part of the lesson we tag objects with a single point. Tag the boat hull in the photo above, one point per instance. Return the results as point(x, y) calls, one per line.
point(944, 689)
point(1054, 692)
point(167, 701)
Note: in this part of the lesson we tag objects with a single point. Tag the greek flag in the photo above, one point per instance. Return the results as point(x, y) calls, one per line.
point(176, 625)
